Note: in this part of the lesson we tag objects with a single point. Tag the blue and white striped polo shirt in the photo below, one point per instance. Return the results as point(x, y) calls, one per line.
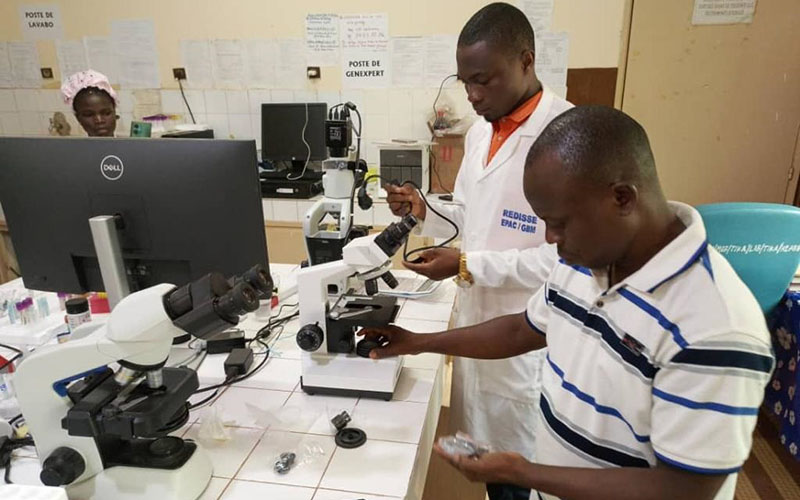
point(668, 365)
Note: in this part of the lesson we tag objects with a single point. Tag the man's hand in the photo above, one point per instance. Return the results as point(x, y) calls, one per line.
point(436, 263)
point(496, 467)
point(394, 341)
point(405, 199)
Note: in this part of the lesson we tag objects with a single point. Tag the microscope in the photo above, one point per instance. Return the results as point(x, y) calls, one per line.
point(332, 363)
point(101, 408)
point(328, 224)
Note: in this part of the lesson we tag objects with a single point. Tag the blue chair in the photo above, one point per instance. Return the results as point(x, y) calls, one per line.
point(761, 241)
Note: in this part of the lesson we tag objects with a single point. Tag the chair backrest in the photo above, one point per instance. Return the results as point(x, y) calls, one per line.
point(760, 240)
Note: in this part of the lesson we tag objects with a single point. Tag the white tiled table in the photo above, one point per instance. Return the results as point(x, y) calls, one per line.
point(268, 414)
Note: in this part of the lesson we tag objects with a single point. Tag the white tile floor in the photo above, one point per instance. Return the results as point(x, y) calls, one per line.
point(247, 490)
point(227, 455)
point(365, 469)
point(312, 414)
point(246, 407)
point(344, 495)
point(399, 421)
point(312, 456)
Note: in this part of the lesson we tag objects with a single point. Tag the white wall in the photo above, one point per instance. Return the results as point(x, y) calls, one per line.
point(594, 27)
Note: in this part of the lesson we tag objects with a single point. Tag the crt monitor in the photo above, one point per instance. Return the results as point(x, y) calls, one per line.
point(290, 131)
point(188, 208)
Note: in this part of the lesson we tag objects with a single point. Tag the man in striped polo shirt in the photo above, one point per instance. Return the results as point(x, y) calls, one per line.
point(658, 353)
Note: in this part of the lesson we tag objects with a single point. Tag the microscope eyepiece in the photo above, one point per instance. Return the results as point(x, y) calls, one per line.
point(392, 238)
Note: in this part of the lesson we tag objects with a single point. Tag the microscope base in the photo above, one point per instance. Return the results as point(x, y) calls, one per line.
point(134, 483)
point(350, 375)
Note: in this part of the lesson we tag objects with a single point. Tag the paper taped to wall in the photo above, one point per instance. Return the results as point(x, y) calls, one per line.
point(134, 43)
point(723, 11)
point(322, 39)
point(196, 59)
point(71, 58)
point(100, 56)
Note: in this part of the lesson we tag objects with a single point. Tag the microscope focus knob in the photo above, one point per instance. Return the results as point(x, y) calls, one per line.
point(309, 337)
point(62, 467)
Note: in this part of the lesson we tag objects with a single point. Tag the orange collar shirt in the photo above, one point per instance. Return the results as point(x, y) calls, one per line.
point(507, 125)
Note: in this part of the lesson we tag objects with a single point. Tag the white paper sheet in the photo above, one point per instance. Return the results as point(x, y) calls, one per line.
point(228, 63)
point(365, 32)
point(290, 67)
point(71, 57)
point(41, 22)
point(539, 13)
point(261, 57)
point(552, 57)
point(24, 59)
point(100, 56)
point(6, 75)
point(366, 69)
point(723, 11)
point(440, 59)
point(322, 39)
point(134, 43)
point(196, 59)
point(408, 61)
point(146, 102)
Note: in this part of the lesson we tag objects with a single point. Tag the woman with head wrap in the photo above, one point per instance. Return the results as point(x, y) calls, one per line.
point(94, 102)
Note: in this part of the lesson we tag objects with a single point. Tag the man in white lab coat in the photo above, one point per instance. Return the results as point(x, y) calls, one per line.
point(493, 400)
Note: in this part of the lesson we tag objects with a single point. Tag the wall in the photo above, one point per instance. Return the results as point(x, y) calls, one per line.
point(721, 104)
point(594, 27)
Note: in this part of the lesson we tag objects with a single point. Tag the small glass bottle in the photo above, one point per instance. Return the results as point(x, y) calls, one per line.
point(77, 313)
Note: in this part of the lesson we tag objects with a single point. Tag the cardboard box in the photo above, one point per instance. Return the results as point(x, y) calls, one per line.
point(446, 154)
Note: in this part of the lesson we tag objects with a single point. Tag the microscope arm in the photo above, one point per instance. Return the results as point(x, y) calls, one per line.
point(312, 289)
point(60, 364)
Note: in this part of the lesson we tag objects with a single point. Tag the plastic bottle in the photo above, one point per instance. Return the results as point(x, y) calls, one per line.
point(77, 313)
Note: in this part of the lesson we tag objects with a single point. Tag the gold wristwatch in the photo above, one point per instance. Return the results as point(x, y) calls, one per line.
point(464, 277)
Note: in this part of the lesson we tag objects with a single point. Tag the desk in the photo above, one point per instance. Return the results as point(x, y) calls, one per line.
point(268, 414)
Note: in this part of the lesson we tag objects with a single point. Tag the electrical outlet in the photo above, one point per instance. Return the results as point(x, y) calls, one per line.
point(47, 73)
point(179, 73)
point(313, 72)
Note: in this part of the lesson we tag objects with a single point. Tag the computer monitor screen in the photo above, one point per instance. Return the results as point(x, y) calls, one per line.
point(188, 208)
point(284, 128)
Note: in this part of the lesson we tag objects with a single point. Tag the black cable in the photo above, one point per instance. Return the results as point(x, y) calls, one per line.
point(14, 271)
point(433, 136)
point(247, 375)
point(12, 348)
point(260, 334)
point(436, 170)
point(8, 362)
point(406, 252)
point(14, 419)
point(186, 101)
point(204, 401)
point(358, 157)
point(8, 446)
point(441, 86)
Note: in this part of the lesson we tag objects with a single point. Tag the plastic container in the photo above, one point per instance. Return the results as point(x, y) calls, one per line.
point(77, 313)
point(98, 303)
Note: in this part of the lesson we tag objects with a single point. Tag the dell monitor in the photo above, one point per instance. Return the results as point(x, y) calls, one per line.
point(293, 133)
point(183, 208)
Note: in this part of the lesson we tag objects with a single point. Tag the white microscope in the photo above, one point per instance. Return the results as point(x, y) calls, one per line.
point(328, 224)
point(332, 363)
point(104, 433)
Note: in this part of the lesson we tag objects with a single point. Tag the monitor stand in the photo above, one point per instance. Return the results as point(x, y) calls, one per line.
point(109, 255)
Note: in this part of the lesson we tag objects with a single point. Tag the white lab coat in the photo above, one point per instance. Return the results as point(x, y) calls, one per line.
point(496, 400)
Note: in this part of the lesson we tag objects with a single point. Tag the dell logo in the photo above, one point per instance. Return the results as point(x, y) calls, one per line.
point(111, 167)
